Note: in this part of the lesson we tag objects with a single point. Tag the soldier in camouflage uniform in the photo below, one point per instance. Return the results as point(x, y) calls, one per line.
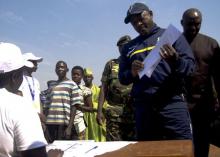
point(119, 113)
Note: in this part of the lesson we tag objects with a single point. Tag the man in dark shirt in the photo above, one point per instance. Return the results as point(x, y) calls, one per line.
point(200, 95)
point(161, 113)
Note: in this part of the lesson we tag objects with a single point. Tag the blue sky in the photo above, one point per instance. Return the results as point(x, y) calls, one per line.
point(85, 32)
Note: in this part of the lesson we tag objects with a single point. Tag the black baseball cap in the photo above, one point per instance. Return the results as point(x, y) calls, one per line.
point(135, 8)
point(123, 40)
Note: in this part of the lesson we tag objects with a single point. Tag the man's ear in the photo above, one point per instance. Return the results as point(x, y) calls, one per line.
point(67, 69)
point(151, 12)
point(181, 22)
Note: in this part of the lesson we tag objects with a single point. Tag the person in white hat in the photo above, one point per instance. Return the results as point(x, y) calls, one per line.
point(20, 133)
point(30, 86)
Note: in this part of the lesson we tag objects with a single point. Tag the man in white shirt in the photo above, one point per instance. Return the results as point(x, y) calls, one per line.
point(20, 127)
point(30, 86)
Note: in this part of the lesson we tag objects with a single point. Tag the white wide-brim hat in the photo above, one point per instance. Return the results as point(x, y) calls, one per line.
point(11, 58)
point(31, 57)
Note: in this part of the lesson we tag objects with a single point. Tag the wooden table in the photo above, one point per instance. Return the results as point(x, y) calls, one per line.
point(172, 148)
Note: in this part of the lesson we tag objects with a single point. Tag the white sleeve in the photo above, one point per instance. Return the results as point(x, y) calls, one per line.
point(37, 104)
point(28, 133)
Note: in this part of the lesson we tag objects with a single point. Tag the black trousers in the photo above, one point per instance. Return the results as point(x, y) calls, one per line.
point(201, 119)
point(56, 132)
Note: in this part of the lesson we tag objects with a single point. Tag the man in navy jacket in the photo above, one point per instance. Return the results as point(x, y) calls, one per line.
point(161, 112)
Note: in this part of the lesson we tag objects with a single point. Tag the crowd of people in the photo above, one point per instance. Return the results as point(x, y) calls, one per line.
point(178, 101)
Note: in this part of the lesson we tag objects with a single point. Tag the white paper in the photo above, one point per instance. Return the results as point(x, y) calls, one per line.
point(73, 148)
point(86, 148)
point(104, 147)
point(170, 35)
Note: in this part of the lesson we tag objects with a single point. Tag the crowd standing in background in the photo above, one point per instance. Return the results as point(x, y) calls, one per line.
point(178, 101)
point(18, 136)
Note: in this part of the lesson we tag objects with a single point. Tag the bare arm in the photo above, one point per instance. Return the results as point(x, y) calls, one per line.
point(71, 122)
point(102, 96)
point(88, 107)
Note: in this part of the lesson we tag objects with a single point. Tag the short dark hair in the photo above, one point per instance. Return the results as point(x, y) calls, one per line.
point(77, 67)
point(61, 62)
point(189, 11)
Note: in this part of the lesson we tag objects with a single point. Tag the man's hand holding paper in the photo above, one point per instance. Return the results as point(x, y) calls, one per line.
point(136, 67)
point(164, 45)
point(168, 53)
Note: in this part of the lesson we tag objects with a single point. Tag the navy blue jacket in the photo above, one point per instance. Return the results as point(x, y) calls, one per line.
point(165, 81)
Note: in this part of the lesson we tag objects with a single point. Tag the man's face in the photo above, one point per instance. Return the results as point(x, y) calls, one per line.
point(143, 22)
point(191, 24)
point(61, 69)
point(77, 75)
point(34, 69)
point(88, 79)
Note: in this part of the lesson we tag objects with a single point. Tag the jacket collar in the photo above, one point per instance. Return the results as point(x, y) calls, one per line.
point(154, 29)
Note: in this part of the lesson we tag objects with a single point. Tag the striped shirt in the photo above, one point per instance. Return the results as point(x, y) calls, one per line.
point(84, 92)
point(79, 120)
point(63, 96)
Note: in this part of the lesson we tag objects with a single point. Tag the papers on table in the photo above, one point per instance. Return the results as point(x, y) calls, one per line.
point(170, 35)
point(86, 148)
point(73, 148)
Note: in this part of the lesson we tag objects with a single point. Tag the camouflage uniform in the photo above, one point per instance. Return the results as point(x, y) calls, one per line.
point(119, 113)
